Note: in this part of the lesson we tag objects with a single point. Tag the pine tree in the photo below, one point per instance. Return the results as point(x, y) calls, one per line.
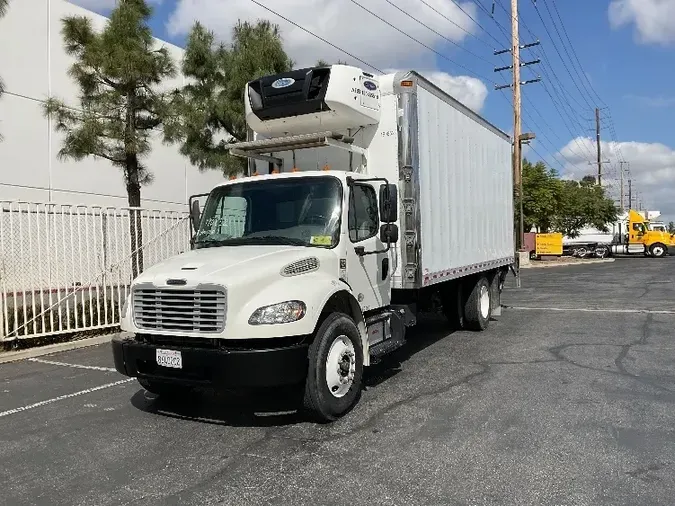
point(118, 72)
point(209, 112)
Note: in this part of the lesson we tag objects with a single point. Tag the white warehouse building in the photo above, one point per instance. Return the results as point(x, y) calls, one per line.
point(66, 254)
point(34, 66)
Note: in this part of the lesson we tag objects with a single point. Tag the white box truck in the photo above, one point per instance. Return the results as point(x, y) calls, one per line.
point(368, 200)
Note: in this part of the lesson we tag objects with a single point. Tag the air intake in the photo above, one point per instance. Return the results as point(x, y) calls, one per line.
point(303, 266)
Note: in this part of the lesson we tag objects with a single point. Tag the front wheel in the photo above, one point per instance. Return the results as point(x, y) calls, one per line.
point(333, 384)
point(658, 250)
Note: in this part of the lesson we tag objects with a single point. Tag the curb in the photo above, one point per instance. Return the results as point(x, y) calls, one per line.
point(14, 356)
point(548, 265)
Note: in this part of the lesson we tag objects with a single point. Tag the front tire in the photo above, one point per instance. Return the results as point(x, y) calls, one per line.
point(658, 250)
point(478, 306)
point(334, 377)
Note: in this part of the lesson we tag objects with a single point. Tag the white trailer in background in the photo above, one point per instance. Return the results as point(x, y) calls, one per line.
point(369, 200)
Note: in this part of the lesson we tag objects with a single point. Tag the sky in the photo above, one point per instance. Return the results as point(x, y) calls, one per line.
point(616, 55)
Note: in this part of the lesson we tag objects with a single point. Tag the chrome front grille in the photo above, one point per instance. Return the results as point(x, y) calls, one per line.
point(200, 310)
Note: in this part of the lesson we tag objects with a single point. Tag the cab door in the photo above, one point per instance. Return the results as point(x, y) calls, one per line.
point(369, 274)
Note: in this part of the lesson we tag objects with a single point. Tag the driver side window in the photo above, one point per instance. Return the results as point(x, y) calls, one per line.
point(364, 220)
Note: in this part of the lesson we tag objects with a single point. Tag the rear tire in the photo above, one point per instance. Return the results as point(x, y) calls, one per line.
point(478, 306)
point(334, 376)
point(581, 252)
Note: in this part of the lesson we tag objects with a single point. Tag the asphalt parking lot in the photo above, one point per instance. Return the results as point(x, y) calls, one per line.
point(568, 399)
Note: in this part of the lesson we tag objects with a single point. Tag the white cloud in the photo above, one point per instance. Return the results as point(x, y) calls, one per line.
point(339, 21)
point(653, 19)
point(652, 169)
point(470, 91)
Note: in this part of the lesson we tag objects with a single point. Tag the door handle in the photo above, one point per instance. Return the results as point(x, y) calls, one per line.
point(385, 268)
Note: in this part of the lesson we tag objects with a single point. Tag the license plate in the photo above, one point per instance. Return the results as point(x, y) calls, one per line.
point(169, 358)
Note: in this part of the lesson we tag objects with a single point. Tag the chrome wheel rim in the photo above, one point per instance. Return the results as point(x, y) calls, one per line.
point(340, 366)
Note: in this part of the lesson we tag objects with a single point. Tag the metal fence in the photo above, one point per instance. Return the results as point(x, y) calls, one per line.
point(67, 269)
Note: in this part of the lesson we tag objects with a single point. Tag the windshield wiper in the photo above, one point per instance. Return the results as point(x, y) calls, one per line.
point(207, 243)
point(270, 239)
point(242, 241)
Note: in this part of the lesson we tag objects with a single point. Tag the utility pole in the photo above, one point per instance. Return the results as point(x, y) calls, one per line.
point(623, 208)
point(517, 129)
point(630, 194)
point(597, 140)
point(515, 51)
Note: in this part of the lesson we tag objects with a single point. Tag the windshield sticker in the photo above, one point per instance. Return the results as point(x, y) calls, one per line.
point(320, 240)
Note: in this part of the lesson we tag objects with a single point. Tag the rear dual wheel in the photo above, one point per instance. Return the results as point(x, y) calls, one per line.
point(478, 306)
point(471, 310)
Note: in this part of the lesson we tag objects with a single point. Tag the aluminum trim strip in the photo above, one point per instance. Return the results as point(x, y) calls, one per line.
point(432, 278)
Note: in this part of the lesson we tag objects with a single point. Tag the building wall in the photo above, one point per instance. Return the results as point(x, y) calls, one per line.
point(34, 65)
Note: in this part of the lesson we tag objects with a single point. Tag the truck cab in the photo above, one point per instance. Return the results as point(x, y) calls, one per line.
point(656, 241)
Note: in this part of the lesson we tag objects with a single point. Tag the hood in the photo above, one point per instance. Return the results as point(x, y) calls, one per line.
point(215, 265)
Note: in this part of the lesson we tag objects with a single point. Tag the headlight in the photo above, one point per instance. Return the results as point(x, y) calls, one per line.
point(284, 312)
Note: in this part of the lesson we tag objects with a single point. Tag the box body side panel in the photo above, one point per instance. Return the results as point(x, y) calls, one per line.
point(465, 192)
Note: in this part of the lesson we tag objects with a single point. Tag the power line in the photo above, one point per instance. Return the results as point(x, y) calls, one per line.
point(562, 104)
point(419, 42)
point(370, 65)
point(434, 31)
point(455, 23)
point(543, 54)
point(318, 36)
point(555, 7)
point(477, 23)
point(536, 9)
point(544, 57)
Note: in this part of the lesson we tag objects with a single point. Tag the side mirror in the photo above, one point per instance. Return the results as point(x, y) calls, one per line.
point(389, 233)
point(195, 215)
point(388, 203)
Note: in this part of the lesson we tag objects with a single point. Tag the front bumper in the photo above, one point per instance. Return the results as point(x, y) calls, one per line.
point(213, 367)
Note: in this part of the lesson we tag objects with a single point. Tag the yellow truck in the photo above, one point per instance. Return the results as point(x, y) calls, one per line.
point(655, 241)
point(636, 235)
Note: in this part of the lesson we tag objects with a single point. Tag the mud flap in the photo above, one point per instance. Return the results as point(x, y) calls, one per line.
point(496, 294)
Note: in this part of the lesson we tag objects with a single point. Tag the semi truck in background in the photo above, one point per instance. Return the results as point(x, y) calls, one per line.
point(369, 199)
point(633, 233)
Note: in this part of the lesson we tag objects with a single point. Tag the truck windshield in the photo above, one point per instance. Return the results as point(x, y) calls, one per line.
point(297, 211)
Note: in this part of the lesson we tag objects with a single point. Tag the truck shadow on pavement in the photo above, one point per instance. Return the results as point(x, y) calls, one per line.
point(279, 406)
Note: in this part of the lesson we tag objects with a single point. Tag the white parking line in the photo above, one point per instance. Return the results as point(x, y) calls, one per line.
point(76, 366)
point(591, 310)
point(63, 397)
